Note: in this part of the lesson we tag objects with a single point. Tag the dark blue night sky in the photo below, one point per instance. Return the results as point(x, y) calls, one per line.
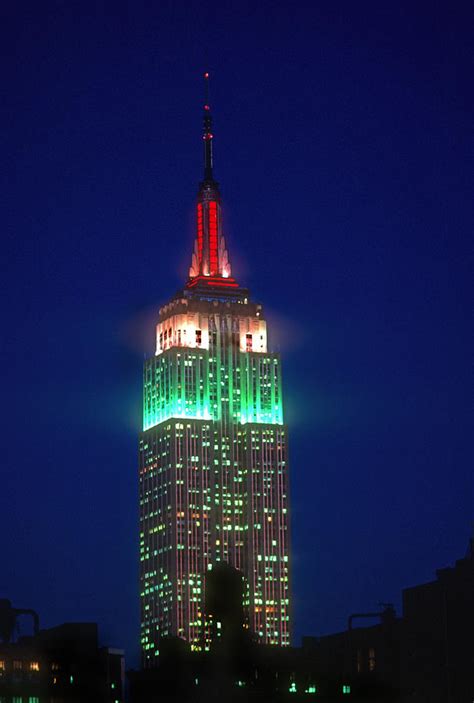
point(343, 145)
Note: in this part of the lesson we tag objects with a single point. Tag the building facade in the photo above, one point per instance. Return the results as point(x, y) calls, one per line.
point(213, 451)
point(438, 648)
point(62, 664)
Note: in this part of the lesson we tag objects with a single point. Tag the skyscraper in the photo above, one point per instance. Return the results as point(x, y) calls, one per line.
point(213, 460)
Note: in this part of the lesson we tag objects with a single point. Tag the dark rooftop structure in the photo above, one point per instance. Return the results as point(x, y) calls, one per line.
point(61, 664)
point(425, 656)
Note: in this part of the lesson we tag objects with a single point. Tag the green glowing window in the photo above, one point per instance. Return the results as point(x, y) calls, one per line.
point(346, 689)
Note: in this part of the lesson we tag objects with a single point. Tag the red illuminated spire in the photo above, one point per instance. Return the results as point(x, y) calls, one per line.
point(210, 263)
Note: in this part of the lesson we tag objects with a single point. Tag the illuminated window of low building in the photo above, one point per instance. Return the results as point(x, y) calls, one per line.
point(371, 659)
point(34, 666)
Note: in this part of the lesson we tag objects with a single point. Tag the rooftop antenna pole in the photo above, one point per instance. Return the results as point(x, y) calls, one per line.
point(207, 136)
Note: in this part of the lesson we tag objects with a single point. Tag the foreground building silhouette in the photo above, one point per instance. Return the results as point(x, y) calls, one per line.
point(62, 664)
point(425, 656)
point(213, 469)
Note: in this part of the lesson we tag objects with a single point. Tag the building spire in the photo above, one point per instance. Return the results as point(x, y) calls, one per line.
point(210, 265)
point(207, 135)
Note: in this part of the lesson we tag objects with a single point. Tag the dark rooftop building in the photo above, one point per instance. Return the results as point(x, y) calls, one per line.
point(438, 662)
point(426, 656)
point(59, 665)
point(367, 658)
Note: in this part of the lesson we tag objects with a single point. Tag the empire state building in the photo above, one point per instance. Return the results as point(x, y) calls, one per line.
point(213, 473)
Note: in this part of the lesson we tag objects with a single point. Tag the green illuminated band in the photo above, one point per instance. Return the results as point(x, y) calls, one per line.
point(200, 384)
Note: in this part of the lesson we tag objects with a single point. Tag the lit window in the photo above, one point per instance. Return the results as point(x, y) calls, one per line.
point(34, 666)
point(371, 659)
